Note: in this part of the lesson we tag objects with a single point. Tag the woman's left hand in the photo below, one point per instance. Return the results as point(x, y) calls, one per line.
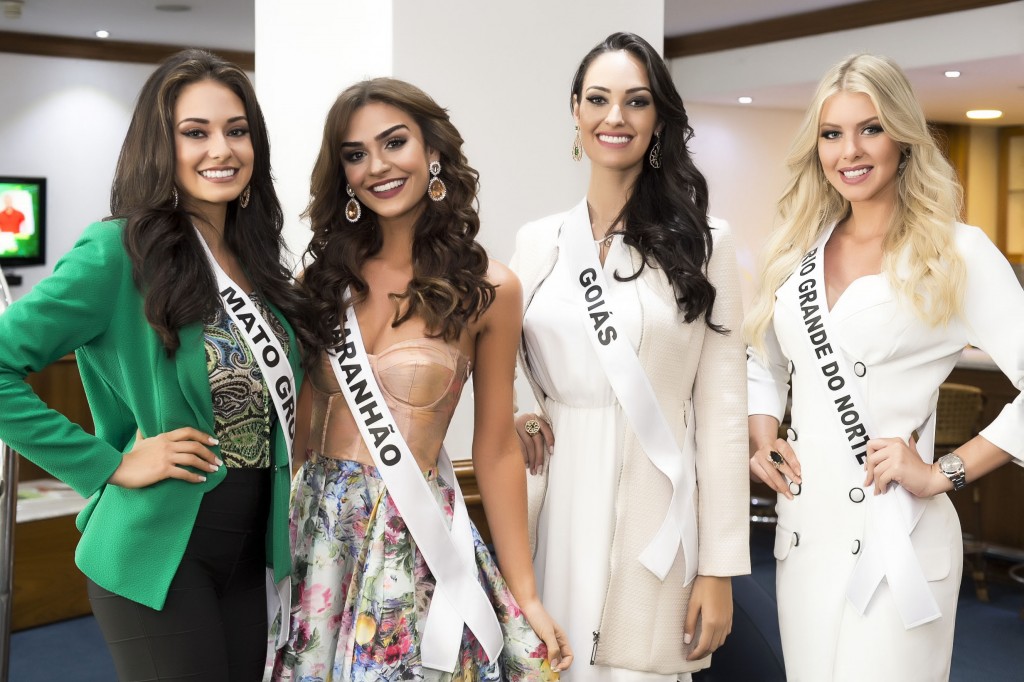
point(711, 601)
point(559, 651)
point(893, 460)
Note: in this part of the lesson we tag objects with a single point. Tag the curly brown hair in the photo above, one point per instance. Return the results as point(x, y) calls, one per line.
point(449, 288)
point(158, 235)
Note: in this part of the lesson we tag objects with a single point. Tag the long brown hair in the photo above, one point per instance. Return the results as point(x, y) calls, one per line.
point(168, 264)
point(449, 288)
point(666, 214)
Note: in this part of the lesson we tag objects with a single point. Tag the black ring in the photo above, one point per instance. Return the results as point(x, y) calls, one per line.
point(799, 488)
point(859, 369)
point(856, 495)
point(776, 458)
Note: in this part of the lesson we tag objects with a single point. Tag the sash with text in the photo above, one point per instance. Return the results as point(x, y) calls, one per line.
point(634, 393)
point(459, 599)
point(277, 373)
point(887, 551)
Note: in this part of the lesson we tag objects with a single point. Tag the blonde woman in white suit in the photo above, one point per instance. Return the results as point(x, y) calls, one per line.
point(870, 290)
point(632, 346)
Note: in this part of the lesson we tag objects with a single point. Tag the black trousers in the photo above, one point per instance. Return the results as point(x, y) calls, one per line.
point(213, 626)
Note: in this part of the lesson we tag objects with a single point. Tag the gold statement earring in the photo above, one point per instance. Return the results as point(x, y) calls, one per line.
point(655, 155)
point(577, 146)
point(436, 189)
point(243, 198)
point(353, 211)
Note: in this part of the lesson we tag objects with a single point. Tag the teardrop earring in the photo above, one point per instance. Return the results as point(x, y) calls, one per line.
point(436, 189)
point(353, 210)
point(655, 156)
point(577, 146)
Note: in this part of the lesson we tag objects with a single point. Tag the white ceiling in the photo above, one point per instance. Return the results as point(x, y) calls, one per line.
point(230, 24)
point(224, 24)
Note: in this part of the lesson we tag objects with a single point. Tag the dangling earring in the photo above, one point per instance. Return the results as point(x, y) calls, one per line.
point(577, 146)
point(655, 156)
point(436, 189)
point(174, 197)
point(243, 198)
point(902, 167)
point(353, 211)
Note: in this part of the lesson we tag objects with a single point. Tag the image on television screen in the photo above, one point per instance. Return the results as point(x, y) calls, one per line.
point(21, 219)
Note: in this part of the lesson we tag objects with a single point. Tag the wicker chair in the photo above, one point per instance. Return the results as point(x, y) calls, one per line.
point(956, 423)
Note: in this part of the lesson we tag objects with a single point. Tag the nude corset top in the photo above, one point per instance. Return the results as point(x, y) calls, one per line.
point(421, 380)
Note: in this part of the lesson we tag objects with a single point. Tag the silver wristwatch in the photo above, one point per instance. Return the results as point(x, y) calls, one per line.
point(952, 467)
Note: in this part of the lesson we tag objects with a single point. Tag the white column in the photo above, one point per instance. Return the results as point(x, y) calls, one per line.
point(308, 51)
point(503, 70)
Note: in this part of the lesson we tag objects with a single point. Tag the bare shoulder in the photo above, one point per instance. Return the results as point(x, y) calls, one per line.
point(508, 293)
point(501, 276)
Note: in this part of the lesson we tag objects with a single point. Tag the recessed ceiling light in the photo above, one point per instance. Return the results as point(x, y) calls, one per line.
point(952, 74)
point(173, 8)
point(102, 33)
point(745, 100)
point(984, 113)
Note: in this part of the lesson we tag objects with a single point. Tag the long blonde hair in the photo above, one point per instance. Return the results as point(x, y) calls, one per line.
point(928, 201)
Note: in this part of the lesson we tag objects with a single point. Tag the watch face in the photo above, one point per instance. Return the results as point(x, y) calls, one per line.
point(950, 464)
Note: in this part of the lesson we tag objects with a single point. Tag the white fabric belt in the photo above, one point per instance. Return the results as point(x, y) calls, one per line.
point(635, 394)
point(887, 551)
point(459, 598)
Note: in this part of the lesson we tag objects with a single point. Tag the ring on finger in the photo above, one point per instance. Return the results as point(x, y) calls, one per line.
point(532, 427)
point(776, 459)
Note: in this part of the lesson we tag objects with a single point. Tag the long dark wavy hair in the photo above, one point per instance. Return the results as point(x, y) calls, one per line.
point(168, 263)
point(449, 288)
point(666, 215)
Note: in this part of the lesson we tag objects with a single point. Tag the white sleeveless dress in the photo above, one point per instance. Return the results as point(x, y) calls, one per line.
point(574, 534)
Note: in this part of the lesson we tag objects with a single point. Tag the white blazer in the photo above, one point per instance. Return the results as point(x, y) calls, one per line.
point(643, 616)
point(900, 361)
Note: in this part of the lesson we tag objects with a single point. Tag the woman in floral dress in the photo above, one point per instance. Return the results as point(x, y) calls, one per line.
point(394, 225)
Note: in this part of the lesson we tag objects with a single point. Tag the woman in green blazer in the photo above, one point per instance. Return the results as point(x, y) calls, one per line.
point(188, 472)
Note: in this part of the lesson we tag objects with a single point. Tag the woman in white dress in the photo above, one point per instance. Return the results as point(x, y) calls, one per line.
point(673, 303)
point(871, 289)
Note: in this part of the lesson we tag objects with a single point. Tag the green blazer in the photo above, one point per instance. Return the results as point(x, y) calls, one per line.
point(132, 540)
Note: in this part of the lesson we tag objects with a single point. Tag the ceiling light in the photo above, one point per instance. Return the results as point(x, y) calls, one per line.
point(102, 33)
point(952, 74)
point(984, 113)
point(745, 100)
point(12, 8)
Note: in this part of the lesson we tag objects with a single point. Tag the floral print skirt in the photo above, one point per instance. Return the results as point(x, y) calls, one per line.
point(361, 590)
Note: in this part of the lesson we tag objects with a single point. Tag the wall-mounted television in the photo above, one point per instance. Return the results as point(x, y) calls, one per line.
point(22, 221)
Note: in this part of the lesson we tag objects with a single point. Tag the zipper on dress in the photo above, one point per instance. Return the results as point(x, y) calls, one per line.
point(618, 484)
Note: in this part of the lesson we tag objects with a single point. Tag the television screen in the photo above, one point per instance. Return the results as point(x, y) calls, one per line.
point(22, 221)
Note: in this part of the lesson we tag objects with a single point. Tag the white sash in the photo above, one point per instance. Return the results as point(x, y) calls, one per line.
point(887, 551)
point(277, 373)
point(459, 598)
point(634, 393)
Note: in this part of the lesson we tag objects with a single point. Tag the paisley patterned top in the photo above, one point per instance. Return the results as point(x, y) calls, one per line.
point(243, 411)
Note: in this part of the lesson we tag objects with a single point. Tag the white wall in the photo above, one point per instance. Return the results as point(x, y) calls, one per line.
point(308, 51)
point(741, 151)
point(506, 83)
point(65, 119)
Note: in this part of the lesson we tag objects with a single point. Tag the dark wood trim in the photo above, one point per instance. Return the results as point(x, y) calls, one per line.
point(1003, 190)
point(841, 18)
point(106, 50)
point(954, 140)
